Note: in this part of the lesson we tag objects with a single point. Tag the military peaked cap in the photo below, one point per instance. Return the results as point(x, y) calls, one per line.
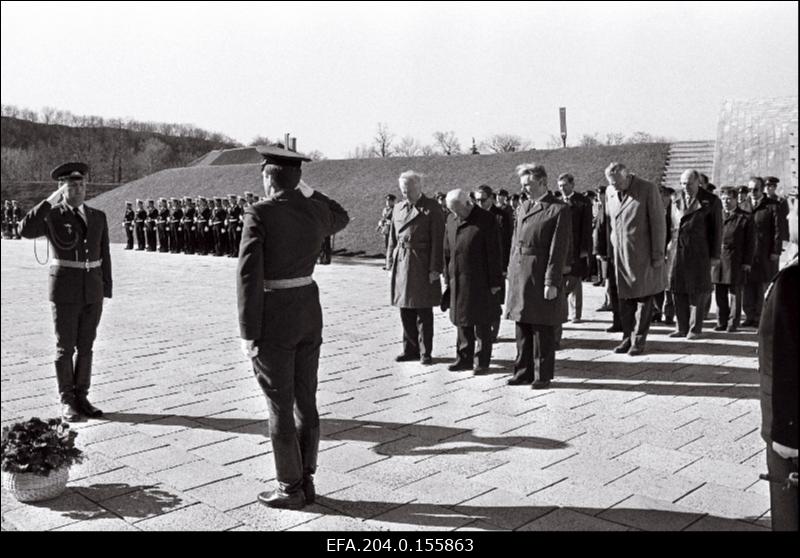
point(275, 155)
point(729, 190)
point(771, 180)
point(69, 170)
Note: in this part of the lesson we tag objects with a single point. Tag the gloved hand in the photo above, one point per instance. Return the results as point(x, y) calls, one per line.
point(550, 292)
point(55, 197)
point(249, 348)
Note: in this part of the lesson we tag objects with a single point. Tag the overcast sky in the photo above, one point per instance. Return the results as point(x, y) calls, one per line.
point(328, 73)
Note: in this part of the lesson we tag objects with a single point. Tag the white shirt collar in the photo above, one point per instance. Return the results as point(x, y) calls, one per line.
point(81, 208)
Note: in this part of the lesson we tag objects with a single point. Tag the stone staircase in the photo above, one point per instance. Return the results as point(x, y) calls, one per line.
point(685, 155)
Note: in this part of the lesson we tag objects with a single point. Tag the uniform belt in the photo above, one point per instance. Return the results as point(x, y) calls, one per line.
point(277, 284)
point(87, 265)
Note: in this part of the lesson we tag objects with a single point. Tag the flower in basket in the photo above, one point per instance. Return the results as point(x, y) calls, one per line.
point(39, 447)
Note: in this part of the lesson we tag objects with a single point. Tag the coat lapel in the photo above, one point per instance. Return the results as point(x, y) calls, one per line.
point(411, 214)
point(534, 207)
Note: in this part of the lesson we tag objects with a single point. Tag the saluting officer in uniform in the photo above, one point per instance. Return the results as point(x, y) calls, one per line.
point(127, 222)
point(80, 277)
point(189, 227)
point(176, 244)
point(150, 223)
point(280, 316)
point(766, 251)
point(141, 217)
point(234, 227)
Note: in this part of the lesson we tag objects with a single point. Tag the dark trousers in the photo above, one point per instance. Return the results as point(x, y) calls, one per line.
point(76, 329)
point(634, 314)
point(219, 241)
point(573, 298)
point(140, 237)
point(536, 352)
point(613, 294)
point(663, 305)
point(467, 349)
point(417, 331)
point(163, 239)
point(150, 234)
point(286, 370)
point(234, 238)
point(188, 239)
point(690, 311)
point(727, 296)
point(129, 235)
point(782, 501)
point(753, 300)
point(176, 242)
point(208, 241)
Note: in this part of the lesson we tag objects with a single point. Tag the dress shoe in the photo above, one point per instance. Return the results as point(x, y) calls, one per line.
point(669, 321)
point(426, 360)
point(720, 328)
point(285, 500)
point(614, 329)
point(480, 370)
point(623, 347)
point(69, 412)
point(692, 335)
point(732, 329)
point(677, 334)
point(402, 357)
point(309, 491)
point(576, 321)
point(458, 366)
point(749, 323)
point(87, 409)
point(604, 308)
point(517, 381)
point(636, 350)
point(540, 384)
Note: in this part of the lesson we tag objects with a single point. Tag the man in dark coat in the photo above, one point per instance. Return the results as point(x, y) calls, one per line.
point(139, 222)
point(80, 277)
point(777, 361)
point(770, 187)
point(766, 252)
point(580, 210)
point(484, 198)
point(280, 318)
point(474, 277)
point(539, 251)
point(736, 255)
point(416, 240)
point(697, 215)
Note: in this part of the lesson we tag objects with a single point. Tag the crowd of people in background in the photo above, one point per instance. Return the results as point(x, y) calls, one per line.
point(12, 215)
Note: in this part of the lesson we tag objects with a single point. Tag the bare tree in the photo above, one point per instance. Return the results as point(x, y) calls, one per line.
point(553, 142)
point(260, 140)
point(505, 143)
point(427, 151)
point(362, 151)
point(447, 142)
point(316, 155)
point(589, 140)
point(639, 137)
point(382, 142)
point(615, 138)
point(408, 147)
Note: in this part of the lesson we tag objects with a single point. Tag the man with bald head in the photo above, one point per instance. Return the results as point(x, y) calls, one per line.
point(696, 244)
point(473, 274)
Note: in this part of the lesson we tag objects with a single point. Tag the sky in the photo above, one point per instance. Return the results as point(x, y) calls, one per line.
point(328, 73)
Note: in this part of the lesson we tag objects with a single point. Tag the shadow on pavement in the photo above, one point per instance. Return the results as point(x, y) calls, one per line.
point(390, 438)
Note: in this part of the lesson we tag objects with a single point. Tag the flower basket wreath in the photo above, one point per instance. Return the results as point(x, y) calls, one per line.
point(37, 455)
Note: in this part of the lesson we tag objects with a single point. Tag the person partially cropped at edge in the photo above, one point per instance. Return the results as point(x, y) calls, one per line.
point(280, 317)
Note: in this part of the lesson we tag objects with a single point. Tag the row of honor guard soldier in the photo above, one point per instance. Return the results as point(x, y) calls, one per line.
point(12, 215)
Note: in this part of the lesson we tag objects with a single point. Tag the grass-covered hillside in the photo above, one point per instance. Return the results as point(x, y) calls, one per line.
point(360, 184)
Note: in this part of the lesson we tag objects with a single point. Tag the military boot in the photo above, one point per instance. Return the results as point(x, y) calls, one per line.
point(83, 378)
point(66, 390)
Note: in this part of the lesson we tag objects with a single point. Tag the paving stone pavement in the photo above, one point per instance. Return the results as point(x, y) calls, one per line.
point(666, 441)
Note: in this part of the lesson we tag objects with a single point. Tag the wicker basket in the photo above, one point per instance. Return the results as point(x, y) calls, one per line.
point(28, 487)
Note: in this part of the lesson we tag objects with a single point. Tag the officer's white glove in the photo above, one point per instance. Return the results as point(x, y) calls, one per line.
point(54, 198)
point(550, 292)
point(305, 189)
point(249, 348)
point(784, 451)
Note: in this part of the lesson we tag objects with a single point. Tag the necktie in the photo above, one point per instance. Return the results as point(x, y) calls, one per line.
point(79, 217)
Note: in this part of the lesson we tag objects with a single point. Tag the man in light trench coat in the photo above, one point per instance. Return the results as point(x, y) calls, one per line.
point(635, 215)
point(416, 239)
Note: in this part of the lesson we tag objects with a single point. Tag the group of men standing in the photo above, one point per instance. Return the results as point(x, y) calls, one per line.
point(209, 226)
point(12, 215)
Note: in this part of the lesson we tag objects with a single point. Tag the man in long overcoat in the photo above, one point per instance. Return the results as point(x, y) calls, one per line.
point(736, 256)
point(416, 239)
point(697, 215)
point(473, 274)
point(484, 198)
point(777, 363)
point(539, 252)
point(766, 252)
point(638, 237)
